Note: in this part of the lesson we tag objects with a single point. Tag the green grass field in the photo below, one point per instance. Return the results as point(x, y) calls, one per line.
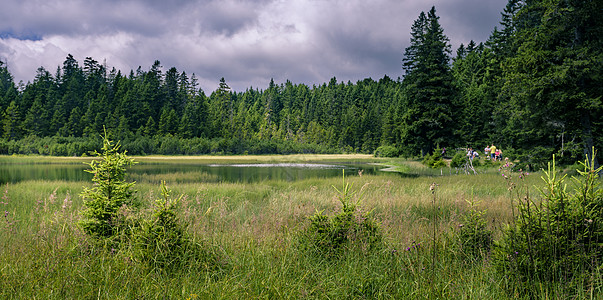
point(255, 229)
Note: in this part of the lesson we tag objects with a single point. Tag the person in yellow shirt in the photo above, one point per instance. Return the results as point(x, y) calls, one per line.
point(492, 152)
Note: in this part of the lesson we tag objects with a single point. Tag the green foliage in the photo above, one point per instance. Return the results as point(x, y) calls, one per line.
point(553, 94)
point(161, 241)
point(474, 97)
point(458, 160)
point(559, 238)
point(110, 192)
point(387, 151)
point(435, 160)
point(535, 158)
point(350, 229)
point(474, 238)
point(489, 163)
point(427, 121)
point(142, 108)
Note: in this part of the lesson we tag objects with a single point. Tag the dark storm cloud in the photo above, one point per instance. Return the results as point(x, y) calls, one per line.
point(147, 18)
point(247, 42)
point(222, 17)
point(73, 18)
point(474, 20)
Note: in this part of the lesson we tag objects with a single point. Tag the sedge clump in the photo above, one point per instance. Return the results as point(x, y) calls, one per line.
point(349, 229)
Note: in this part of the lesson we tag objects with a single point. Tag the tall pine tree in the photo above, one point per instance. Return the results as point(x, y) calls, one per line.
point(428, 120)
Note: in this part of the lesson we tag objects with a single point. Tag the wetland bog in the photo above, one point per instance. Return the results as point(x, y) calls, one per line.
point(255, 225)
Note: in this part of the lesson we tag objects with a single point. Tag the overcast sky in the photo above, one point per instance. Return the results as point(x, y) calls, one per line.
point(246, 42)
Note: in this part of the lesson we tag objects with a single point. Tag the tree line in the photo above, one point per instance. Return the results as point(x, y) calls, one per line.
point(533, 88)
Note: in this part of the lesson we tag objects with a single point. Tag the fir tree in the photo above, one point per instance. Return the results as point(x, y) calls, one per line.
point(428, 86)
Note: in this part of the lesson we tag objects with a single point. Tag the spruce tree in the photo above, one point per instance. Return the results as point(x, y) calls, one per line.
point(110, 191)
point(427, 121)
point(10, 121)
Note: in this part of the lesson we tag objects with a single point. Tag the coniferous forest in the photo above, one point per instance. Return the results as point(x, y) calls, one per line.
point(533, 88)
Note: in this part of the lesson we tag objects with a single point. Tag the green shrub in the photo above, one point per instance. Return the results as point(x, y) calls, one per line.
point(435, 160)
point(161, 242)
point(109, 193)
point(332, 236)
point(458, 160)
point(387, 151)
point(426, 159)
point(558, 239)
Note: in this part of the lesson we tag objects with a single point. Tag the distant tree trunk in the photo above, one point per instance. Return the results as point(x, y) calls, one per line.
point(587, 140)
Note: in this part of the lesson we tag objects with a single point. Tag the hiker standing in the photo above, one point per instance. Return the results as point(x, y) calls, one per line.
point(493, 152)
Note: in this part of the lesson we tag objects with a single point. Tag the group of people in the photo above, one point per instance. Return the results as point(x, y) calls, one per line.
point(472, 153)
point(492, 153)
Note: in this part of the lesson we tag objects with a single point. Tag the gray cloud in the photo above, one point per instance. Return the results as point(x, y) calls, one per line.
point(247, 42)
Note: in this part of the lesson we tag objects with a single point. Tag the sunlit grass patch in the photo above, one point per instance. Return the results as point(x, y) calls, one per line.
point(209, 159)
point(175, 177)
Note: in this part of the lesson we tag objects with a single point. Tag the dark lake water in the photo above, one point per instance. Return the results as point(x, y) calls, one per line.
point(155, 172)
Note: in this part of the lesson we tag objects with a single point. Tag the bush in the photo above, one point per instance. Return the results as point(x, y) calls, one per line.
point(162, 244)
point(490, 163)
point(161, 238)
point(387, 151)
point(476, 162)
point(435, 160)
point(332, 236)
point(557, 239)
point(458, 160)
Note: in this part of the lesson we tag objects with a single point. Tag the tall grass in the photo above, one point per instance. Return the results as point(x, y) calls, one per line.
point(255, 227)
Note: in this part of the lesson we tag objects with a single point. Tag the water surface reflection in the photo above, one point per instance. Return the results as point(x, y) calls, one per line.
point(155, 172)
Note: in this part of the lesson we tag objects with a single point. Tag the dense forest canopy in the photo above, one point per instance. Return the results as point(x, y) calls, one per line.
point(533, 88)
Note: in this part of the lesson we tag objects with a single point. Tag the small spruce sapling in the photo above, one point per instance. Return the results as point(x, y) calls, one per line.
point(330, 236)
point(559, 238)
point(109, 193)
point(163, 244)
point(435, 160)
point(161, 240)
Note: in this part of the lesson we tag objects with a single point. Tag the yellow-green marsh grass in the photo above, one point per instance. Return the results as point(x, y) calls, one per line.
point(256, 227)
point(203, 159)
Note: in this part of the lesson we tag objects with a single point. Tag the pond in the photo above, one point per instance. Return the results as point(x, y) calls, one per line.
point(182, 173)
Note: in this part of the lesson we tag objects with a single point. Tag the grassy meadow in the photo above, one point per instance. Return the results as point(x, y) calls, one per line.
point(254, 231)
